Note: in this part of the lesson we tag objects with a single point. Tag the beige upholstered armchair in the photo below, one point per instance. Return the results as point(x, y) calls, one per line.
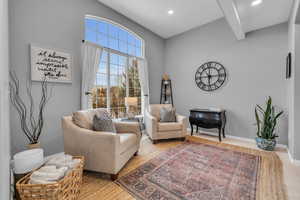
point(103, 151)
point(164, 130)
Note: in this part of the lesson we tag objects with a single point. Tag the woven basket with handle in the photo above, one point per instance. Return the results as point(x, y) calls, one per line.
point(67, 188)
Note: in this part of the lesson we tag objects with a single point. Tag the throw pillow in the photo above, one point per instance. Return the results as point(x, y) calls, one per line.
point(84, 118)
point(167, 114)
point(103, 123)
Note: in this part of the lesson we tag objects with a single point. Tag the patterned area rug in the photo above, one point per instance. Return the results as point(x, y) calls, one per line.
point(161, 159)
point(195, 171)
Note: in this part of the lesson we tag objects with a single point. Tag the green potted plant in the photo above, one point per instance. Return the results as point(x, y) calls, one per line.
point(266, 121)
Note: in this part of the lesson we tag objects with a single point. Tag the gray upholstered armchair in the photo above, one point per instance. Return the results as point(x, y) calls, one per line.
point(103, 151)
point(164, 130)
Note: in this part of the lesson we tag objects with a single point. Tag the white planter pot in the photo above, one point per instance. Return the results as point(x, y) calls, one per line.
point(28, 160)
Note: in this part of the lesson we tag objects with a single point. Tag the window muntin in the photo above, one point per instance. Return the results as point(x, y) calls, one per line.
point(113, 36)
point(117, 75)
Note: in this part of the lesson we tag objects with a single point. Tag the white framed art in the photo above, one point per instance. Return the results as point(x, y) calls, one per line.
point(53, 64)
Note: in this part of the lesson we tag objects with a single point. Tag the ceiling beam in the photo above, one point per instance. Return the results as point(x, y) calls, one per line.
point(296, 11)
point(232, 16)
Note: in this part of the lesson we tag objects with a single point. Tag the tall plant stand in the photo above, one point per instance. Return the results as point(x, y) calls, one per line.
point(166, 94)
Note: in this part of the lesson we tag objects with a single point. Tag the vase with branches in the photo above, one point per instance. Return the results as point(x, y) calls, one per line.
point(32, 122)
point(266, 121)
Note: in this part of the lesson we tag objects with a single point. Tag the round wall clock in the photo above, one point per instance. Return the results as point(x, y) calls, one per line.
point(210, 76)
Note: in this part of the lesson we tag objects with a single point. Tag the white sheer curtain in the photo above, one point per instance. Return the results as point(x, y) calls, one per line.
point(144, 81)
point(91, 60)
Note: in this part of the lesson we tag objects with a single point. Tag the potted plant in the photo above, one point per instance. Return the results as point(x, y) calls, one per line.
point(31, 122)
point(266, 121)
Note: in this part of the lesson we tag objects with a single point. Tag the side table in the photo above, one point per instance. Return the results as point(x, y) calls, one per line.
point(207, 118)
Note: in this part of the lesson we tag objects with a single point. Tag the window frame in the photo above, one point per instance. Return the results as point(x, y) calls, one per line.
point(109, 21)
point(117, 52)
point(108, 76)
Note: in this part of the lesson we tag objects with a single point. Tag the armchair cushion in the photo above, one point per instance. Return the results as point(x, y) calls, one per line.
point(154, 109)
point(128, 127)
point(169, 126)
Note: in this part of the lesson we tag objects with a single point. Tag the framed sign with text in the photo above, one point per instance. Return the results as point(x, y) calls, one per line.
point(53, 64)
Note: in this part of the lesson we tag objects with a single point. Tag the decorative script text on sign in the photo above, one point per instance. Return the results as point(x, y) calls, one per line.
point(52, 64)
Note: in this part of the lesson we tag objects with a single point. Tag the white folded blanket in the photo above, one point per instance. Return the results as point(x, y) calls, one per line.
point(55, 169)
point(47, 174)
point(63, 160)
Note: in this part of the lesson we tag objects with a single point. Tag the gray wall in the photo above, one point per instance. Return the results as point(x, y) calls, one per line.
point(4, 104)
point(296, 88)
point(293, 87)
point(291, 81)
point(255, 66)
point(60, 24)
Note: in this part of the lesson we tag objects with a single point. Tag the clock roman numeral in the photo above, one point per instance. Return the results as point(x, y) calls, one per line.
point(220, 81)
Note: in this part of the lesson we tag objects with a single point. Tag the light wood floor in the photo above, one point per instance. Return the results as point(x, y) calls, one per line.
point(291, 172)
point(107, 190)
point(98, 186)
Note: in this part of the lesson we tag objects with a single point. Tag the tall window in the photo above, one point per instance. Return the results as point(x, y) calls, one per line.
point(117, 76)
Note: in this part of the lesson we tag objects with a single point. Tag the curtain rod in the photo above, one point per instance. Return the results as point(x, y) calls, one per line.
point(112, 50)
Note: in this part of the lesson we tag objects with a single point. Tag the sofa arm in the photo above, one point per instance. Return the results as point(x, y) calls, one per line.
point(151, 124)
point(128, 127)
point(95, 146)
point(183, 120)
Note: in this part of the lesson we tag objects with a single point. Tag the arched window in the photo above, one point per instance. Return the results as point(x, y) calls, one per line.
point(114, 36)
point(117, 76)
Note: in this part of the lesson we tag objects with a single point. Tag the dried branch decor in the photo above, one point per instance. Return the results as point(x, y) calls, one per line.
point(31, 123)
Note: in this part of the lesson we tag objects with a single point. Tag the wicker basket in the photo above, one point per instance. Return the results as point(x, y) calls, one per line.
point(67, 188)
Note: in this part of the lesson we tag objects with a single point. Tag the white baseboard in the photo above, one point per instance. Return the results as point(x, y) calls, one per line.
point(293, 161)
point(238, 138)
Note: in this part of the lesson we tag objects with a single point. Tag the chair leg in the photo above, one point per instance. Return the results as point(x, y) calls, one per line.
point(114, 177)
point(223, 130)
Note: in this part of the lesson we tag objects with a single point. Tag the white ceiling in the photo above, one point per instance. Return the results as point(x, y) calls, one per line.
point(268, 13)
point(189, 14)
point(153, 15)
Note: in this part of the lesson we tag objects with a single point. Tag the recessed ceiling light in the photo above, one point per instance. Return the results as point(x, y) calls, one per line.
point(170, 12)
point(256, 2)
